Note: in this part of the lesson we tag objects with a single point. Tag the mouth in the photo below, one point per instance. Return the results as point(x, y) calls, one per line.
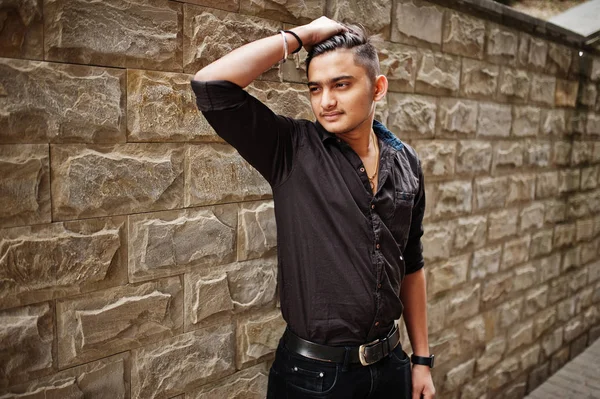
point(330, 116)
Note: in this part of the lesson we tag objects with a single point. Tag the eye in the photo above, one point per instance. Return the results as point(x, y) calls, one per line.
point(313, 89)
point(341, 84)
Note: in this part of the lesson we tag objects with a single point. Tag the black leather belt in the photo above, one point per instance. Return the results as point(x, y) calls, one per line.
point(365, 354)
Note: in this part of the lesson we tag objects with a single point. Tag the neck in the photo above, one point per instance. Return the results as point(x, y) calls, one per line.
point(359, 139)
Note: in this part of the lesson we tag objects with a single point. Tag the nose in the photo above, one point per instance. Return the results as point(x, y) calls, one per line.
point(327, 100)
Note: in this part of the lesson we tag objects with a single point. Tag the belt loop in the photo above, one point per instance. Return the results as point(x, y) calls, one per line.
point(347, 356)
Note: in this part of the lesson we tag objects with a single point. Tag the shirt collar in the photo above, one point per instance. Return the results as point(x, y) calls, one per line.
point(380, 131)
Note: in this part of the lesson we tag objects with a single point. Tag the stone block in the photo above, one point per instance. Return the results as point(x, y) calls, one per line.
point(462, 304)
point(181, 363)
point(448, 275)
point(474, 389)
point(107, 322)
point(463, 35)
point(478, 79)
point(217, 173)
point(568, 180)
point(546, 185)
point(538, 153)
point(161, 107)
point(399, 64)
point(529, 359)
point(470, 232)
point(473, 157)
point(437, 157)
point(457, 117)
point(25, 185)
point(490, 192)
point(532, 52)
point(562, 153)
point(497, 286)
point(257, 234)
point(43, 262)
point(459, 375)
point(508, 370)
point(573, 329)
point(592, 127)
point(502, 224)
point(374, 15)
point(543, 89)
point(250, 383)
point(169, 243)
point(589, 251)
point(507, 155)
point(253, 283)
point(536, 300)
point(515, 252)
point(520, 188)
point(553, 122)
point(525, 121)
point(409, 18)
point(26, 343)
point(44, 102)
point(556, 211)
point(205, 296)
point(104, 379)
point(91, 181)
point(502, 45)
point(453, 198)
point(486, 261)
point(566, 93)
point(543, 321)
point(541, 243)
point(412, 115)
point(552, 342)
point(559, 289)
point(589, 93)
point(571, 258)
point(101, 33)
point(581, 205)
point(537, 376)
point(438, 73)
point(595, 69)
point(578, 281)
point(258, 336)
point(209, 34)
point(532, 217)
point(564, 235)
point(559, 59)
point(287, 99)
point(566, 309)
point(494, 120)
point(22, 32)
point(559, 359)
point(295, 12)
point(437, 241)
point(526, 276)
point(576, 121)
point(494, 351)
point(590, 177)
point(514, 84)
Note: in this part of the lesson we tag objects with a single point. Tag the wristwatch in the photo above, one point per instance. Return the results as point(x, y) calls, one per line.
point(423, 360)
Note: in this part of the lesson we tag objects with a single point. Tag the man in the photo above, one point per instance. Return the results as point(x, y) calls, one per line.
point(349, 203)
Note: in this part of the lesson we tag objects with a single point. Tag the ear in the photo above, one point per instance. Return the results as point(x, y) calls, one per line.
point(381, 87)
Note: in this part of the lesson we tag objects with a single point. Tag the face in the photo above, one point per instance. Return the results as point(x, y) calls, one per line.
point(342, 94)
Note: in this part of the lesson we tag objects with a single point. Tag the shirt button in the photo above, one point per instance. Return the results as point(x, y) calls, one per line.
point(378, 285)
point(401, 258)
point(372, 206)
point(377, 246)
point(376, 323)
point(362, 169)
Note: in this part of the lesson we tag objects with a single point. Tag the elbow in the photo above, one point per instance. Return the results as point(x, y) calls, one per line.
point(202, 76)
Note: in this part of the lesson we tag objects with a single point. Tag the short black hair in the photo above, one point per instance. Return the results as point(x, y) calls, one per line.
point(355, 38)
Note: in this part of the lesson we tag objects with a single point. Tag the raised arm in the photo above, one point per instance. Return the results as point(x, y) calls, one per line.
point(246, 63)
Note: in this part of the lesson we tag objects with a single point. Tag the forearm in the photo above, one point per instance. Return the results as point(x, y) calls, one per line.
point(413, 295)
point(248, 62)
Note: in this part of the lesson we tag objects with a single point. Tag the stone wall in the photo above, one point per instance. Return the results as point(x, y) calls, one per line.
point(137, 250)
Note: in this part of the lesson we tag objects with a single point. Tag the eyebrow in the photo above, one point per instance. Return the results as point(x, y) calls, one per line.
point(332, 80)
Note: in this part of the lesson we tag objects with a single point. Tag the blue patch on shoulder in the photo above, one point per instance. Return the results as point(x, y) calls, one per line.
point(386, 136)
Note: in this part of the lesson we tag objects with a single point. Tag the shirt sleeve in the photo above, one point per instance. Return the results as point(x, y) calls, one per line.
point(413, 253)
point(264, 139)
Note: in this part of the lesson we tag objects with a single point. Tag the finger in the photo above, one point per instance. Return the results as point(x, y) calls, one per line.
point(416, 393)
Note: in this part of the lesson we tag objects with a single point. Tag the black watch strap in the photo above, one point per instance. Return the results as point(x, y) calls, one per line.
point(425, 361)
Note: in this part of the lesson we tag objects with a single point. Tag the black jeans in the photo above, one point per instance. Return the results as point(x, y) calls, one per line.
point(294, 376)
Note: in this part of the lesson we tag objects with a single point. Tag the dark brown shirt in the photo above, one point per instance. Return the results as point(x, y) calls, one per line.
point(342, 251)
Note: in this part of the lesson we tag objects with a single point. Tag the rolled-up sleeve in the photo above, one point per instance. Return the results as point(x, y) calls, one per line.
point(264, 139)
point(413, 253)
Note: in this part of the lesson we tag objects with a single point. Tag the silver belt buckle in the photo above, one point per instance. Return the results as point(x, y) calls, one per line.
point(361, 352)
